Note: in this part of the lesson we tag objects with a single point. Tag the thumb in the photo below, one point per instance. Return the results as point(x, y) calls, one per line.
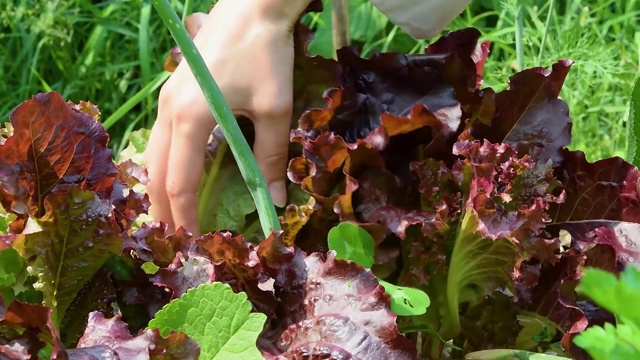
point(271, 149)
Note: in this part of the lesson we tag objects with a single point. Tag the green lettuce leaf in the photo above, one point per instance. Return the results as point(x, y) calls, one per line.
point(218, 319)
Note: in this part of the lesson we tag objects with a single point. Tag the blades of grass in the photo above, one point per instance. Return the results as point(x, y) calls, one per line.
point(633, 136)
point(519, 37)
point(188, 5)
point(546, 31)
point(94, 42)
point(389, 39)
point(226, 120)
point(135, 100)
point(143, 48)
point(125, 136)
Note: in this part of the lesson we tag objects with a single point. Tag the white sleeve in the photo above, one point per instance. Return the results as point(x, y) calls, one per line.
point(421, 19)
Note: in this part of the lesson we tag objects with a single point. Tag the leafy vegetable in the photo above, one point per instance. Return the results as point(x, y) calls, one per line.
point(351, 242)
point(64, 255)
point(27, 330)
point(219, 320)
point(407, 178)
point(619, 297)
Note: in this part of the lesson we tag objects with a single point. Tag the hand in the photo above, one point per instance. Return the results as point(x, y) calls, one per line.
point(248, 47)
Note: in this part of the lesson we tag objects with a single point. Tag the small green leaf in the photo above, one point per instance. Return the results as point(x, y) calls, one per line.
point(351, 242)
point(633, 155)
point(137, 144)
point(11, 265)
point(507, 354)
point(218, 319)
point(619, 296)
point(149, 268)
point(610, 342)
point(406, 301)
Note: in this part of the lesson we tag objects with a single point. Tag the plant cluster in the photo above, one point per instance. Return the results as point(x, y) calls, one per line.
point(407, 176)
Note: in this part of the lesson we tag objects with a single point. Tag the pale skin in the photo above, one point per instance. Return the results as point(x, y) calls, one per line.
point(248, 48)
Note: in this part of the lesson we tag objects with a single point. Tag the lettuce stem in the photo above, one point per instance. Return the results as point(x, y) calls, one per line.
point(225, 118)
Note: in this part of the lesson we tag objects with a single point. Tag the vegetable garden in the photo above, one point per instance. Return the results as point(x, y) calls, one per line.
point(429, 217)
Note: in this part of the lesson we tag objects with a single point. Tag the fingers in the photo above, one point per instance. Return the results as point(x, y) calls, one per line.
point(271, 151)
point(194, 22)
point(155, 158)
point(185, 167)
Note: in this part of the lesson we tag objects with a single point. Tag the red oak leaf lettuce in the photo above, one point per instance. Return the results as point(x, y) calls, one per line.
point(305, 297)
point(66, 147)
point(27, 332)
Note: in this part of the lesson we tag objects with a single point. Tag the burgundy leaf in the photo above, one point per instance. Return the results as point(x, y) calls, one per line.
point(529, 114)
point(69, 147)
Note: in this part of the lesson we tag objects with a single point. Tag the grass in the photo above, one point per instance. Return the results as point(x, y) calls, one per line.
point(111, 53)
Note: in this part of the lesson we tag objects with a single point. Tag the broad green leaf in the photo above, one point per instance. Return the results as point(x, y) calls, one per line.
point(535, 329)
point(225, 199)
point(477, 267)
point(633, 153)
point(619, 296)
point(218, 319)
point(78, 233)
point(351, 242)
point(507, 354)
point(11, 265)
point(406, 301)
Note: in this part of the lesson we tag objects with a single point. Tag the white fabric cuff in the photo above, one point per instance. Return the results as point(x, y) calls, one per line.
point(421, 19)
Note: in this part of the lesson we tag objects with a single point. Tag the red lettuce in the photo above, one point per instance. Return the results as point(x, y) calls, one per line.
point(470, 195)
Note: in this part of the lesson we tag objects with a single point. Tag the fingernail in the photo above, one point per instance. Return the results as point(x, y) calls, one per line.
point(278, 192)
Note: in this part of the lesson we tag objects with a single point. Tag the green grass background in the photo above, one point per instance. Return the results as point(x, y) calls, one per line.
point(111, 53)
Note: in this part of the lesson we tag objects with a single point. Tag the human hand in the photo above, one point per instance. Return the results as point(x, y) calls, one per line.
point(248, 47)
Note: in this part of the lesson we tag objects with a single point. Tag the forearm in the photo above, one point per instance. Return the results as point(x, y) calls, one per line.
point(276, 11)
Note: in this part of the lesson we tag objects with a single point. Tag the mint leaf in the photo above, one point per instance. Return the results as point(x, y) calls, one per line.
point(352, 242)
point(218, 319)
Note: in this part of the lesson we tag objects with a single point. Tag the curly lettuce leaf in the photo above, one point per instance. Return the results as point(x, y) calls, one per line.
point(110, 338)
point(69, 147)
point(529, 116)
point(601, 206)
point(77, 235)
